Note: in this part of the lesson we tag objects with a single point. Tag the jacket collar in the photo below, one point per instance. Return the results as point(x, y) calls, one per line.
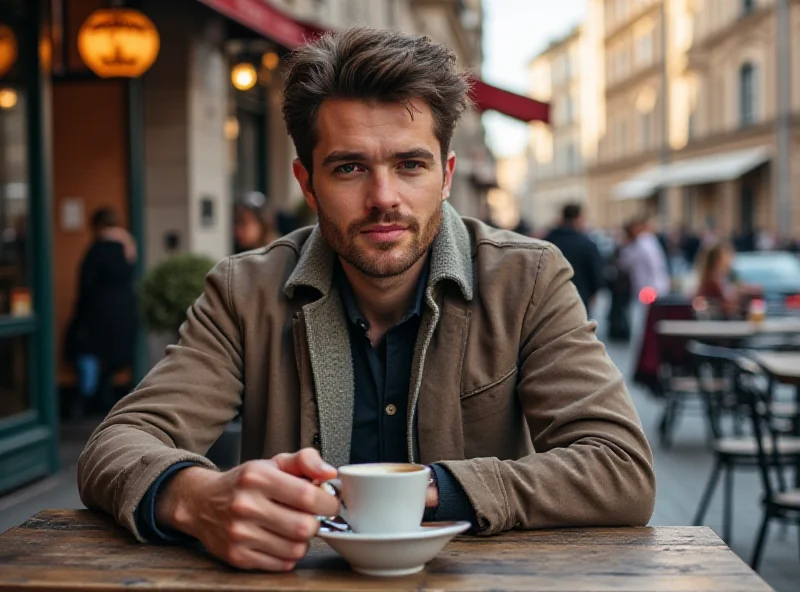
point(451, 259)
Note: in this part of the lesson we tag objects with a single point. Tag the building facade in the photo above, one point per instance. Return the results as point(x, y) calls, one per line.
point(567, 75)
point(691, 121)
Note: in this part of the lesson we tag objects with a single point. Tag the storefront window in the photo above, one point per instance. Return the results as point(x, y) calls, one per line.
point(14, 205)
point(15, 295)
point(14, 394)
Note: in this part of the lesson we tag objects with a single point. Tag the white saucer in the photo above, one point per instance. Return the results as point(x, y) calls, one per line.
point(392, 554)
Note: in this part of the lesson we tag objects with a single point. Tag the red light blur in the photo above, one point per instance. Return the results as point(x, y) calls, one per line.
point(793, 301)
point(648, 295)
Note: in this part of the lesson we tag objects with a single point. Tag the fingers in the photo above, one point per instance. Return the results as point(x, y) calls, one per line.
point(253, 537)
point(288, 490)
point(432, 497)
point(245, 558)
point(305, 497)
point(289, 524)
point(305, 463)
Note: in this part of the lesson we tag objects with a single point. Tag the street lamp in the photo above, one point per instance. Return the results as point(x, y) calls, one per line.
point(8, 49)
point(244, 76)
point(118, 43)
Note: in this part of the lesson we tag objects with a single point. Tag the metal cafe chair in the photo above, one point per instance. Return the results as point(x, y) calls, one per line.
point(732, 448)
point(780, 501)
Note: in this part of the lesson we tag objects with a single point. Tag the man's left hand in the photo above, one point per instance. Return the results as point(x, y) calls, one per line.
point(432, 495)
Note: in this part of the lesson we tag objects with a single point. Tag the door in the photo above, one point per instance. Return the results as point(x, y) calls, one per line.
point(28, 446)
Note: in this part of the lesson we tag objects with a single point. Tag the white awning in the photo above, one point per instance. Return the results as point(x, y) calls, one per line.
point(714, 168)
point(640, 186)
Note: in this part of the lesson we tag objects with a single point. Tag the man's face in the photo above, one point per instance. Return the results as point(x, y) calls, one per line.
point(378, 183)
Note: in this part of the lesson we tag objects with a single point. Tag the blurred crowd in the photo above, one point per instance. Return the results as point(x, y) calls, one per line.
point(638, 263)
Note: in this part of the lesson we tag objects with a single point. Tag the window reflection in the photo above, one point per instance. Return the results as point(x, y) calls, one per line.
point(14, 204)
point(14, 395)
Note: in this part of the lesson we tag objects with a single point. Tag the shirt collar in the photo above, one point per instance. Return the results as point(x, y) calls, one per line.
point(349, 299)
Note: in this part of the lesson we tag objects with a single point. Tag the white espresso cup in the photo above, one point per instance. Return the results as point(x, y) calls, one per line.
point(382, 498)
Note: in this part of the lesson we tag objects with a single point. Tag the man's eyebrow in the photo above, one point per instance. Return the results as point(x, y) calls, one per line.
point(416, 153)
point(350, 156)
point(342, 156)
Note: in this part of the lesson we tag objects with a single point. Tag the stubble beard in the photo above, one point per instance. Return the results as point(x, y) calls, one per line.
point(378, 267)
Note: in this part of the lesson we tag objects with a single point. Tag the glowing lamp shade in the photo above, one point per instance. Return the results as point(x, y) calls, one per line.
point(270, 60)
point(244, 76)
point(8, 49)
point(118, 43)
point(8, 98)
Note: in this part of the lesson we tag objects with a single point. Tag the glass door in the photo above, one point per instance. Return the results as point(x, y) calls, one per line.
point(27, 416)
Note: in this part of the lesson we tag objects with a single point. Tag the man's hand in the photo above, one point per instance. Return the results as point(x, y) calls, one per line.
point(432, 494)
point(259, 515)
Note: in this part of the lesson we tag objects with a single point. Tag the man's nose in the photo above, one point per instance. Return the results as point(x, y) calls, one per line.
point(383, 193)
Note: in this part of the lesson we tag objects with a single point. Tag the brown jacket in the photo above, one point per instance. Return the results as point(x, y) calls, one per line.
point(505, 363)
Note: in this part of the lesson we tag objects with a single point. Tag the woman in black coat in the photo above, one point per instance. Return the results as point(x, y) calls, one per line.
point(102, 334)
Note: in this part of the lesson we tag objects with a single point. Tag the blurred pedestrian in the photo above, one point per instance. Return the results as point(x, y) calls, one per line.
point(618, 282)
point(726, 298)
point(581, 252)
point(254, 226)
point(102, 332)
point(646, 263)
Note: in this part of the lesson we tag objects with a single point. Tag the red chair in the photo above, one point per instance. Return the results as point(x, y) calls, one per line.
point(663, 366)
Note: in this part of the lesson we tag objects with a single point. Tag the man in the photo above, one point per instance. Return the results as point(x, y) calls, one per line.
point(581, 252)
point(392, 331)
point(644, 259)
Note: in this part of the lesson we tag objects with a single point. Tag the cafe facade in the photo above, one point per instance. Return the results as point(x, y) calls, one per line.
point(165, 112)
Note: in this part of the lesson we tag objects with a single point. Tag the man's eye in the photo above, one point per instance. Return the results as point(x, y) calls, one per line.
point(411, 165)
point(348, 168)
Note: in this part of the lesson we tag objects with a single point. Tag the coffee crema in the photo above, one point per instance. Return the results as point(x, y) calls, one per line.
point(382, 469)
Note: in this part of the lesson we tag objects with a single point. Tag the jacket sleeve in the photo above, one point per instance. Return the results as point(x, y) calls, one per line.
point(592, 465)
point(175, 414)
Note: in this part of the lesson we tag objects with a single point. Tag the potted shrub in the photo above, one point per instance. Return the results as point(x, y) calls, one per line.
point(169, 289)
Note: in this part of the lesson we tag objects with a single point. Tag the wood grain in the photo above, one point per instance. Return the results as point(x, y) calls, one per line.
point(62, 550)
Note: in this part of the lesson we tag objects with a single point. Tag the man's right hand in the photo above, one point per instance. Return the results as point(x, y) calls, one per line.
point(260, 515)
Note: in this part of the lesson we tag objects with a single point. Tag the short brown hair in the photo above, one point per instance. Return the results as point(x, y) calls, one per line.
point(374, 65)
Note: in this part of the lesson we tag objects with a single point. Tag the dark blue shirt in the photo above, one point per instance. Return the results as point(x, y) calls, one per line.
point(382, 377)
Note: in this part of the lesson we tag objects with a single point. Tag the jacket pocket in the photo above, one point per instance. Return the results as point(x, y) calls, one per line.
point(491, 399)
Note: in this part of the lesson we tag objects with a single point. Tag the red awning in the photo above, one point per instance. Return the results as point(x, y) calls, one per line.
point(263, 18)
point(491, 98)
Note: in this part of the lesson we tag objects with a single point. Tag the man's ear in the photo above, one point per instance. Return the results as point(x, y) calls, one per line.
point(449, 169)
point(304, 180)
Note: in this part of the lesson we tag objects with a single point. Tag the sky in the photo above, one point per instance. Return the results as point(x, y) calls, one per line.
point(514, 32)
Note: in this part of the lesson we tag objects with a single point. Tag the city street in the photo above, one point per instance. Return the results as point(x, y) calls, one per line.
point(681, 472)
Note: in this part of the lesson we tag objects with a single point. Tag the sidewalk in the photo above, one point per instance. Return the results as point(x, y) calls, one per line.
point(681, 472)
point(56, 491)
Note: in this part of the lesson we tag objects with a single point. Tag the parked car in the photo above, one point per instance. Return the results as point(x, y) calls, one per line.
point(777, 273)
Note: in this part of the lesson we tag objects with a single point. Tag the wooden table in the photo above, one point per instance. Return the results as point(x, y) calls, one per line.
point(81, 550)
point(728, 330)
point(783, 366)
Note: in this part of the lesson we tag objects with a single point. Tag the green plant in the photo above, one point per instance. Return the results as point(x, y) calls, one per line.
point(170, 288)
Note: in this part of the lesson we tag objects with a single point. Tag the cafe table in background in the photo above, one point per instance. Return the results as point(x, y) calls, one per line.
point(82, 550)
point(714, 332)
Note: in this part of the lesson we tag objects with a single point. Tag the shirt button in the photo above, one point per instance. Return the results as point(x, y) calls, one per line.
point(391, 410)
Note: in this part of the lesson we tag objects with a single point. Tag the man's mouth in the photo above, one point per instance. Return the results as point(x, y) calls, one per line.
point(384, 232)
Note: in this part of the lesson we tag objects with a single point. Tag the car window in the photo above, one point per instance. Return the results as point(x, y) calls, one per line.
point(766, 269)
